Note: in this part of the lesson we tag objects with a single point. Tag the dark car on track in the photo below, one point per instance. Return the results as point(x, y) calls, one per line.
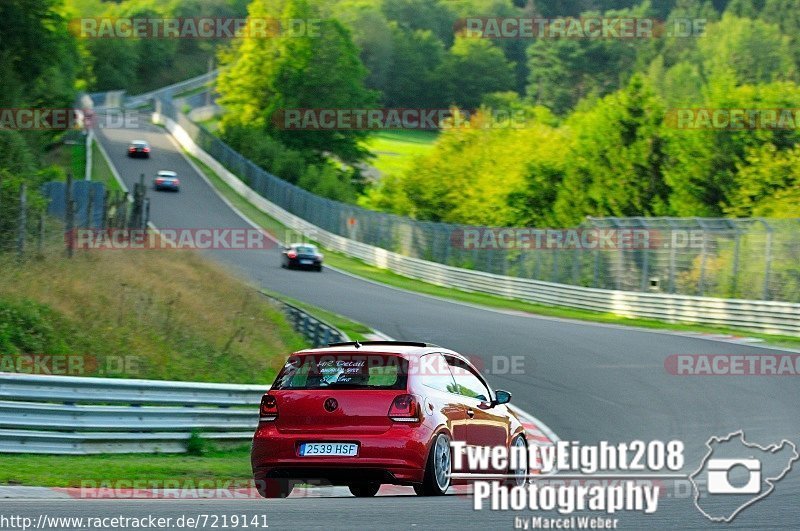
point(378, 412)
point(301, 255)
point(167, 180)
point(139, 148)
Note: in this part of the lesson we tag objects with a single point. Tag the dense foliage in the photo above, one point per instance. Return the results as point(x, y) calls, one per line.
point(600, 137)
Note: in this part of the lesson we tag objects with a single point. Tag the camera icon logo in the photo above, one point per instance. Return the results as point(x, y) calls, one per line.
point(719, 476)
point(735, 474)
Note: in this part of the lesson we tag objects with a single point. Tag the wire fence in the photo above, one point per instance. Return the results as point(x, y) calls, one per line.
point(755, 259)
point(31, 218)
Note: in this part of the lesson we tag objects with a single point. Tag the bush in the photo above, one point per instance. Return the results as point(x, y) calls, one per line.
point(197, 446)
point(29, 328)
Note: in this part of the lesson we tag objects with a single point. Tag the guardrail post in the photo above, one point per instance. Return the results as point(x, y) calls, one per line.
point(326, 338)
point(318, 334)
point(701, 288)
point(735, 271)
point(556, 260)
point(645, 270)
point(767, 263)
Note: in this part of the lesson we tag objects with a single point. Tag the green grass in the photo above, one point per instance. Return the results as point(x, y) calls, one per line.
point(354, 330)
point(70, 158)
point(212, 124)
point(197, 323)
point(395, 150)
point(101, 171)
point(384, 276)
point(74, 471)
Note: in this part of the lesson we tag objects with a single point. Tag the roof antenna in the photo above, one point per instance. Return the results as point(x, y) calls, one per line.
point(357, 345)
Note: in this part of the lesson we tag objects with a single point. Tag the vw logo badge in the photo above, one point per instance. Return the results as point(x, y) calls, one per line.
point(331, 404)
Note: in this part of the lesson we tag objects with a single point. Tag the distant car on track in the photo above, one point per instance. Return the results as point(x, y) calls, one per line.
point(139, 148)
point(378, 412)
point(301, 255)
point(167, 180)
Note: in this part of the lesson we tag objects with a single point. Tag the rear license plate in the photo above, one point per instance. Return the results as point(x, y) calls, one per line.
point(341, 449)
point(306, 262)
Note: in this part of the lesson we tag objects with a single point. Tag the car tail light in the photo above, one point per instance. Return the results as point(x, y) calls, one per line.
point(146, 150)
point(268, 409)
point(159, 181)
point(404, 409)
point(291, 254)
point(131, 149)
point(177, 182)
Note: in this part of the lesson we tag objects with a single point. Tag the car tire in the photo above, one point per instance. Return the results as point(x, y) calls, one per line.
point(275, 488)
point(437, 469)
point(522, 476)
point(318, 269)
point(367, 489)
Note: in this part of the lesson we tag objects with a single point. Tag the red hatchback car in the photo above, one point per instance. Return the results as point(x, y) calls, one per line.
point(365, 414)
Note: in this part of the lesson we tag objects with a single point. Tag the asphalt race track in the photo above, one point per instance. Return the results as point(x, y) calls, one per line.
point(587, 382)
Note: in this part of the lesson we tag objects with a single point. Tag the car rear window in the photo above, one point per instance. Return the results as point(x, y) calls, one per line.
point(306, 250)
point(343, 371)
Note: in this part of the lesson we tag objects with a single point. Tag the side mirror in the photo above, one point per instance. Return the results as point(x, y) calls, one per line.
point(502, 397)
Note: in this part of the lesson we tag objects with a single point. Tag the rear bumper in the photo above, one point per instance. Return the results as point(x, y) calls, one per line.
point(396, 456)
point(295, 262)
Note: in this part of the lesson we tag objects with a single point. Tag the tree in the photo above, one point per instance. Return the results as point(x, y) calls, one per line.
point(480, 174)
point(318, 69)
point(768, 184)
point(563, 71)
point(556, 74)
point(17, 157)
point(755, 51)
point(617, 162)
point(703, 164)
point(432, 15)
point(785, 13)
point(39, 57)
point(472, 68)
point(416, 56)
point(744, 8)
point(373, 36)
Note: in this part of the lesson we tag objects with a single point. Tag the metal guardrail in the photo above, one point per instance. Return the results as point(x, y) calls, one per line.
point(76, 415)
point(316, 331)
point(118, 98)
point(763, 316)
point(72, 415)
point(67, 389)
